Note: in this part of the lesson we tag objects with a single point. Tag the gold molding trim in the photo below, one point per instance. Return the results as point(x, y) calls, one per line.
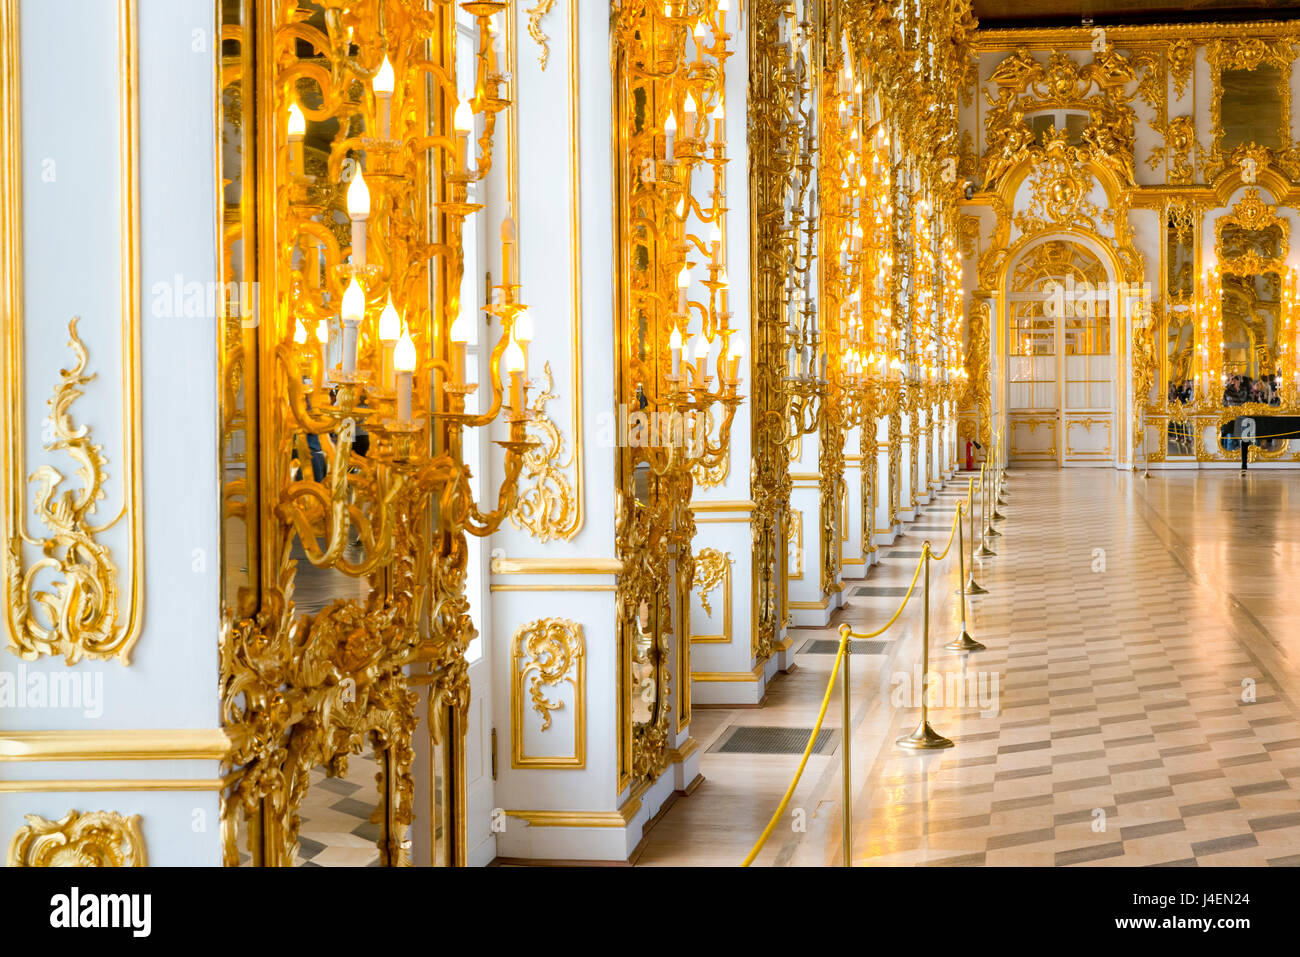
point(553, 506)
point(1054, 38)
point(794, 542)
point(548, 652)
point(83, 618)
point(144, 744)
point(737, 505)
point(678, 755)
point(552, 588)
point(111, 784)
point(755, 674)
point(90, 839)
point(620, 818)
point(556, 566)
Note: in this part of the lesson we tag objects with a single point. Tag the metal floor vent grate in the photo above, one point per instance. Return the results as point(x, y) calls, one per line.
point(880, 591)
point(758, 739)
point(828, 646)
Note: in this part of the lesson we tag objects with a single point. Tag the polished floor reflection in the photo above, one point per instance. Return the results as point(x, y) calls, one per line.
point(1135, 704)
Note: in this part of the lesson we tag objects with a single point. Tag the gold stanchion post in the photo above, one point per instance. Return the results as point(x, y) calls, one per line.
point(984, 550)
point(990, 494)
point(972, 587)
point(924, 738)
point(963, 642)
point(847, 732)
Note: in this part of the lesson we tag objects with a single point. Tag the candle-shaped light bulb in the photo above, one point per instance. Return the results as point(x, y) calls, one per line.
point(390, 330)
point(354, 302)
point(390, 323)
point(701, 357)
point(404, 363)
point(384, 82)
point(297, 130)
point(460, 329)
point(514, 358)
point(509, 240)
point(675, 347)
point(352, 312)
point(383, 85)
point(404, 354)
point(735, 350)
point(463, 119)
point(690, 109)
point(683, 283)
point(358, 197)
point(358, 204)
point(523, 328)
point(719, 120)
point(670, 131)
point(462, 123)
point(515, 363)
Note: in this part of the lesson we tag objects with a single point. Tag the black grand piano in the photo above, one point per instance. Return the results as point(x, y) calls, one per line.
point(1247, 430)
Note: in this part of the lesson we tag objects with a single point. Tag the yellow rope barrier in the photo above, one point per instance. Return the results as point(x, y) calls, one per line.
point(845, 634)
point(956, 520)
point(789, 792)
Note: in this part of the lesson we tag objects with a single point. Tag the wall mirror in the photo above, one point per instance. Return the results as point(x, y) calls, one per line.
point(1251, 108)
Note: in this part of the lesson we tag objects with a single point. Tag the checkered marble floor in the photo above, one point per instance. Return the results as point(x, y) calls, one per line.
point(1136, 704)
point(337, 826)
point(1136, 720)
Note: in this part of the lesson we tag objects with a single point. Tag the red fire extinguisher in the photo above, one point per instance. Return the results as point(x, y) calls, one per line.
point(970, 457)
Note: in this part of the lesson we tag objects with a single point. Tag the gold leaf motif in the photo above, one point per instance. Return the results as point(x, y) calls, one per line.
point(710, 569)
point(92, 839)
point(535, 14)
point(548, 652)
point(547, 507)
point(76, 615)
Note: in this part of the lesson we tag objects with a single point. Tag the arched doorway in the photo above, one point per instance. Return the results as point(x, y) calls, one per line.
point(1061, 356)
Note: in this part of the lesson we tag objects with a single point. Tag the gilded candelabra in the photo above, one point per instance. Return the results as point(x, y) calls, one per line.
point(679, 370)
point(364, 398)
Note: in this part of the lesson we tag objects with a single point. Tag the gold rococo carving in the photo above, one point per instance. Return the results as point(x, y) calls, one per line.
point(78, 839)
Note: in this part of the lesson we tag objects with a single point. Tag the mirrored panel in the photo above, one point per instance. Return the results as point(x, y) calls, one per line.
point(1250, 108)
point(1180, 351)
point(1180, 253)
point(1252, 318)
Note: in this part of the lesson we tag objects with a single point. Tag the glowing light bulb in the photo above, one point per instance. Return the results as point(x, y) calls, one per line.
point(523, 328)
point(701, 348)
point(684, 277)
point(299, 332)
point(354, 302)
point(463, 120)
point(404, 355)
point(460, 328)
point(514, 358)
point(297, 122)
point(719, 111)
point(675, 340)
point(390, 323)
point(358, 199)
point(384, 82)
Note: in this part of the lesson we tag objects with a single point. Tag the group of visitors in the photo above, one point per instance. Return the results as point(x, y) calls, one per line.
point(1241, 389)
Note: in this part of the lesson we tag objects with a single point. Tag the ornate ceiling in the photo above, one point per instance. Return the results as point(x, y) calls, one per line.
point(1026, 13)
